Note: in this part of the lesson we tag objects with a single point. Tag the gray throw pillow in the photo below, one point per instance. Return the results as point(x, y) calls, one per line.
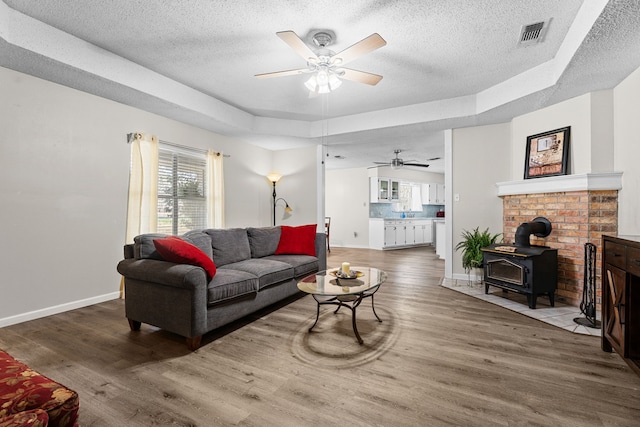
point(263, 241)
point(143, 247)
point(201, 240)
point(229, 245)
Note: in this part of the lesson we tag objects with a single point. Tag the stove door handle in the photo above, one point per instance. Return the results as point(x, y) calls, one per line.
point(525, 272)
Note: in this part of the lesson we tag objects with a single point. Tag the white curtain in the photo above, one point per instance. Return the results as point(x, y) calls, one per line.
point(142, 208)
point(215, 190)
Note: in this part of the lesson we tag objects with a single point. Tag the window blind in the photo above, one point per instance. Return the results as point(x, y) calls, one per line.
point(181, 190)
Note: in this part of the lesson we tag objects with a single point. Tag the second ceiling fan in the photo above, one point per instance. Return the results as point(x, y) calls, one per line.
point(397, 162)
point(326, 66)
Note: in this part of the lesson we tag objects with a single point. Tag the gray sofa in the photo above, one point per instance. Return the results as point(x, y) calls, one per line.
point(179, 297)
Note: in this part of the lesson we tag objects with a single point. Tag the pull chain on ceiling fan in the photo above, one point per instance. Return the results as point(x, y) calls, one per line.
point(325, 66)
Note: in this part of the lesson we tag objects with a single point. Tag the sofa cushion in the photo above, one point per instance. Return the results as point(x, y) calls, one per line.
point(299, 240)
point(24, 389)
point(229, 284)
point(143, 247)
point(201, 240)
point(229, 245)
point(302, 264)
point(263, 241)
point(176, 250)
point(267, 271)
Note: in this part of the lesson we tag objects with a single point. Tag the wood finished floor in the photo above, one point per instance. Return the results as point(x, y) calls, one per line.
point(439, 358)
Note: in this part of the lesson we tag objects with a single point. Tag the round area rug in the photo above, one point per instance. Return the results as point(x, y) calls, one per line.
point(332, 343)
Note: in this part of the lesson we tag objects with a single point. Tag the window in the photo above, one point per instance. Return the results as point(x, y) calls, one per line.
point(182, 201)
point(410, 199)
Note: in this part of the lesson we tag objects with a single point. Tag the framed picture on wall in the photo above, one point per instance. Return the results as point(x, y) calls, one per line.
point(547, 154)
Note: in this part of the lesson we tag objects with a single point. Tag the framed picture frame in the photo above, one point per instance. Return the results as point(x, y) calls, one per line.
point(547, 154)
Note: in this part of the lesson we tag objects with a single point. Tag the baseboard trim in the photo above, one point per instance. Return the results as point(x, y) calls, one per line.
point(473, 277)
point(350, 246)
point(56, 309)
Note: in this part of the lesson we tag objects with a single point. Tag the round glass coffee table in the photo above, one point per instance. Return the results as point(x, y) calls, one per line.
point(327, 287)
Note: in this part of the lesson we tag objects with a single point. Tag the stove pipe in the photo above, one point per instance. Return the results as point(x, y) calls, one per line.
point(540, 227)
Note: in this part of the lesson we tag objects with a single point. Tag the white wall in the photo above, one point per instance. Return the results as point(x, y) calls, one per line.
point(299, 169)
point(575, 113)
point(480, 157)
point(627, 152)
point(591, 119)
point(602, 131)
point(64, 168)
point(347, 203)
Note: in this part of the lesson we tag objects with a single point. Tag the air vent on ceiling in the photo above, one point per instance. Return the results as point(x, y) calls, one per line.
point(533, 33)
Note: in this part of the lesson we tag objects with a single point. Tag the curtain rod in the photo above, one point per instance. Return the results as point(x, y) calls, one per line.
point(131, 137)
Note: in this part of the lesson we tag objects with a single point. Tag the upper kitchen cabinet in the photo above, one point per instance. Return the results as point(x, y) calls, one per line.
point(383, 190)
point(433, 194)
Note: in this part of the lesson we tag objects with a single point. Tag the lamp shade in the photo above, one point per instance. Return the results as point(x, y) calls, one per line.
point(274, 177)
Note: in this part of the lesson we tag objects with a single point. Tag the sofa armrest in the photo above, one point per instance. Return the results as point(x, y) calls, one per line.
point(164, 273)
point(167, 295)
point(321, 250)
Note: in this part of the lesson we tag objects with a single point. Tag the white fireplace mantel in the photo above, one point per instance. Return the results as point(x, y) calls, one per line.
point(562, 184)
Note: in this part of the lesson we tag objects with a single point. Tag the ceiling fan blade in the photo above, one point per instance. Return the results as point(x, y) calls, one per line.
point(422, 165)
point(366, 45)
point(360, 76)
point(383, 163)
point(283, 73)
point(296, 43)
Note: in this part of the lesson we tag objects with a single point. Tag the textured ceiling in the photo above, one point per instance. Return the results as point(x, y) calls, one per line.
point(447, 63)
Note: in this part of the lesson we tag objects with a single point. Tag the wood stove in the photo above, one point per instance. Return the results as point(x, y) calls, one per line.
point(522, 268)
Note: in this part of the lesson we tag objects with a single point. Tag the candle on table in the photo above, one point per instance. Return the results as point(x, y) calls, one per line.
point(346, 268)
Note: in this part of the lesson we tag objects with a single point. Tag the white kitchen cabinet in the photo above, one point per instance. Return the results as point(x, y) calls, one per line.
point(418, 233)
point(389, 235)
point(428, 231)
point(398, 233)
point(440, 237)
point(433, 194)
point(394, 190)
point(395, 233)
point(383, 190)
point(422, 231)
point(440, 194)
point(376, 233)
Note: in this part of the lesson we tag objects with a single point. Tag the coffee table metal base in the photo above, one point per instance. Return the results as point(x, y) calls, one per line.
point(341, 301)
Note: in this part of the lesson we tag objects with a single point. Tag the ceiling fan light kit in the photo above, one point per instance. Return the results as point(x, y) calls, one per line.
point(325, 65)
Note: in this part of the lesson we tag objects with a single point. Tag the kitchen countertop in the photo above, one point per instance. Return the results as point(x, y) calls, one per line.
point(433, 218)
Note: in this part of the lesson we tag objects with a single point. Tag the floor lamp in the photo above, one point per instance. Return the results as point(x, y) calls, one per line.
point(274, 177)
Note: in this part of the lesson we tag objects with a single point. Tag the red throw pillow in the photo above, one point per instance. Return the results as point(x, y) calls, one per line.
point(175, 249)
point(299, 240)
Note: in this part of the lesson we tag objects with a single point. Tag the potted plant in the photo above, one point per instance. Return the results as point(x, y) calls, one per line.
point(471, 243)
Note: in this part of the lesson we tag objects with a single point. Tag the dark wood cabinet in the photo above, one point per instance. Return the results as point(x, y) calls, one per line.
point(621, 298)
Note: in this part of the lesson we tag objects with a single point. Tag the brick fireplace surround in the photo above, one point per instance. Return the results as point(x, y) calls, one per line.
point(584, 208)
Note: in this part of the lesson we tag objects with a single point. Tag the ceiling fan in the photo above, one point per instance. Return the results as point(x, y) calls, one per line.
point(324, 65)
point(397, 163)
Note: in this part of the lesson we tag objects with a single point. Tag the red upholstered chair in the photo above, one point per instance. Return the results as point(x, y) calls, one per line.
point(25, 394)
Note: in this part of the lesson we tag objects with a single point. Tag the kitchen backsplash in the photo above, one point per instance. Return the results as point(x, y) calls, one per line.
point(385, 210)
